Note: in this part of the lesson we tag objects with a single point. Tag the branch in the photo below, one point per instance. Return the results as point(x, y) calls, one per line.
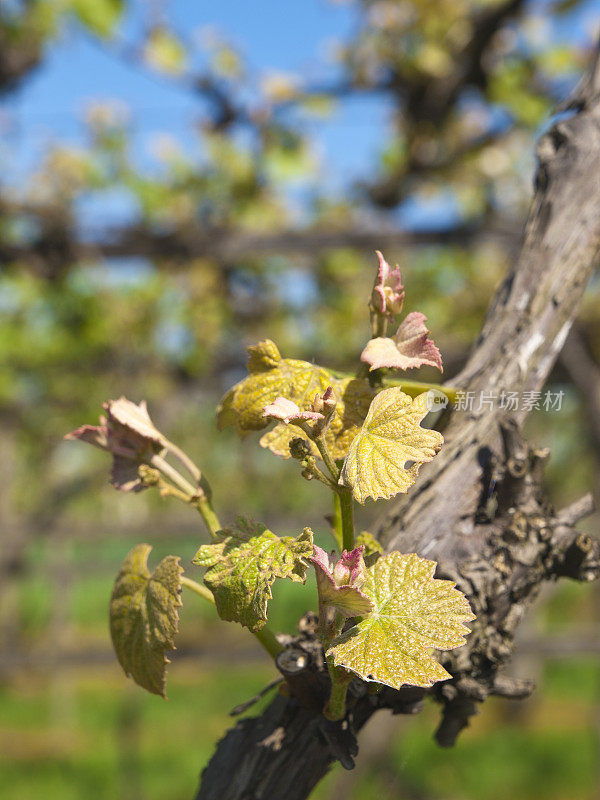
point(59, 250)
point(428, 102)
point(20, 50)
point(585, 374)
point(500, 561)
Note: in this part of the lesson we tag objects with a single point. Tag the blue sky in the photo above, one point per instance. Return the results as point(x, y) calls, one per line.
point(274, 35)
point(282, 36)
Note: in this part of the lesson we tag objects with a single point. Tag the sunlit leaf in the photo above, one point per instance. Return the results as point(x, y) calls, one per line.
point(410, 347)
point(413, 614)
point(165, 52)
point(100, 16)
point(353, 399)
point(144, 614)
point(243, 566)
point(372, 548)
point(271, 377)
point(390, 438)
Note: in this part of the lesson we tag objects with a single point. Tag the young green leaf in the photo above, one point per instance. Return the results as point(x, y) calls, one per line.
point(243, 566)
point(144, 613)
point(413, 614)
point(100, 16)
point(372, 548)
point(390, 437)
point(353, 397)
point(272, 377)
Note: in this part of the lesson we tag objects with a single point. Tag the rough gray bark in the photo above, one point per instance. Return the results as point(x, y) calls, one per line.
point(499, 544)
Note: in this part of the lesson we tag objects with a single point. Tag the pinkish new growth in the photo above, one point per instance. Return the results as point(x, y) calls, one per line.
point(288, 411)
point(129, 434)
point(339, 582)
point(388, 293)
point(410, 347)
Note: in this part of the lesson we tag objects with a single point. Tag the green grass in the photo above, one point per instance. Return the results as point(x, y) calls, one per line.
point(88, 732)
point(93, 734)
point(77, 736)
point(576, 679)
point(503, 764)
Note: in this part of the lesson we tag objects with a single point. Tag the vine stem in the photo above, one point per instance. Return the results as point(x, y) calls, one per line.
point(346, 504)
point(171, 473)
point(195, 496)
point(167, 489)
point(320, 476)
point(347, 517)
point(269, 641)
point(209, 516)
point(187, 462)
point(335, 708)
point(413, 388)
point(198, 588)
point(325, 455)
point(336, 705)
point(336, 522)
point(379, 322)
point(265, 636)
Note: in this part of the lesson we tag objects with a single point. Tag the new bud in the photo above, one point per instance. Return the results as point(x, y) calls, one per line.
point(388, 293)
point(324, 405)
point(339, 583)
point(299, 448)
point(351, 569)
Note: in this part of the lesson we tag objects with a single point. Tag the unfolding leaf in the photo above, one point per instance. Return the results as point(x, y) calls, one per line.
point(129, 434)
point(410, 347)
point(353, 399)
point(271, 377)
point(133, 418)
point(243, 566)
point(287, 410)
point(350, 568)
point(339, 583)
point(372, 548)
point(144, 614)
point(388, 293)
point(413, 614)
point(390, 437)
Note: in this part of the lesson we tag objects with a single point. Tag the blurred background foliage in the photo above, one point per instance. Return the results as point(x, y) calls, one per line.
point(141, 258)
